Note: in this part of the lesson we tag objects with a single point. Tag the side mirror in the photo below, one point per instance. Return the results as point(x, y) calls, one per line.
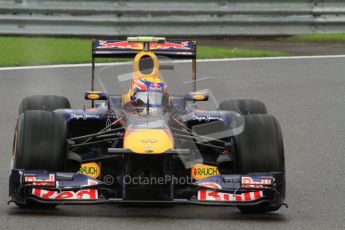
point(201, 95)
point(95, 95)
point(177, 103)
point(166, 67)
point(115, 101)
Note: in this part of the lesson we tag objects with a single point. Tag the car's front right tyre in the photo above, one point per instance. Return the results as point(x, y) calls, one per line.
point(40, 143)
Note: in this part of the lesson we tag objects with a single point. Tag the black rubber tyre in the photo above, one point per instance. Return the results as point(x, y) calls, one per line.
point(40, 143)
point(260, 149)
point(244, 107)
point(44, 102)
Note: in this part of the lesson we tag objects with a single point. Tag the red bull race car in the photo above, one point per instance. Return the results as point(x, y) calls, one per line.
point(145, 144)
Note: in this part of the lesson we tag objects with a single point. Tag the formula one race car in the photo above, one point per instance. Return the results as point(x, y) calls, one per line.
point(147, 146)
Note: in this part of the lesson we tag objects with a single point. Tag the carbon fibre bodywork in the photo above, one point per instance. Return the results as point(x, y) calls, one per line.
point(175, 153)
point(121, 167)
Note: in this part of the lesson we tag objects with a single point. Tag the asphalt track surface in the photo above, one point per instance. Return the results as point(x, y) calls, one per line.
point(306, 95)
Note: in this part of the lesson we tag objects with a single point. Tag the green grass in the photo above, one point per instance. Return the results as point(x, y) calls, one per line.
point(340, 37)
point(20, 51)
point(210, 52)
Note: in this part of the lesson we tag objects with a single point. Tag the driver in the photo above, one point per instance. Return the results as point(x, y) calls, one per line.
point(147, 89)
point(148, 93)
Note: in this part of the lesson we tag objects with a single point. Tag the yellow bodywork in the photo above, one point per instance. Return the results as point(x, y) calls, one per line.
point(148, 141)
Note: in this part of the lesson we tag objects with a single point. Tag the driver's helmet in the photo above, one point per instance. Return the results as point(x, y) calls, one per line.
point(148, 93)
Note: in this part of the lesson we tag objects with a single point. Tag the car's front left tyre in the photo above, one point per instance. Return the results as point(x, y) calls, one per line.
point(44, 102)
point(259, 149)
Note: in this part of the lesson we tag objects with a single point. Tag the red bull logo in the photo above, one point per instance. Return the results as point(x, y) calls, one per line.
point(139, 46)
point(170, 45)
point(209, 195)
point(119, 45)
point(83, 194)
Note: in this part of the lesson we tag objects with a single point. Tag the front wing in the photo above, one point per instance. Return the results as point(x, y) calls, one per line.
point(74, 188)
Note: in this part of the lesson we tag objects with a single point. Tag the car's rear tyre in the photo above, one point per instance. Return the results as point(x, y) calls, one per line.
point(44, 102)
point(40, 143)
point(244, 107)
point(259, 148)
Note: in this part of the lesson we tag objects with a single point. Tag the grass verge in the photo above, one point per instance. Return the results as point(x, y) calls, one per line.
point(22, 51)
point(339, 37)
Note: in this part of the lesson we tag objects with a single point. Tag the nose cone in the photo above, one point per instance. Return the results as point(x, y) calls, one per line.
point(148, 141)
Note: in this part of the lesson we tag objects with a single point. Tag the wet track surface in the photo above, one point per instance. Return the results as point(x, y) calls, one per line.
point(306, 95)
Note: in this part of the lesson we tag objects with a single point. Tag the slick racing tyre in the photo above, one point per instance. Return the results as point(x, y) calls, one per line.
point(44, 102)
point(244, 107)
point(259, 148)
point(40, 143)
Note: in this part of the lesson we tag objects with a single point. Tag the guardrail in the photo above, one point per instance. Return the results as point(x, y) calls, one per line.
point(171, 18)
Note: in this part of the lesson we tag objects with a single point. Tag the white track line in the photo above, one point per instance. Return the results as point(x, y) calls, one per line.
point(179, 61)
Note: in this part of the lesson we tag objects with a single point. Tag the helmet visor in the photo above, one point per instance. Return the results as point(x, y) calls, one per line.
point(152, 98)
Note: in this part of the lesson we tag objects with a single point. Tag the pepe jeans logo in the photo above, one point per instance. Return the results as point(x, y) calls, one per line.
point(206, 118)
point(83, 116)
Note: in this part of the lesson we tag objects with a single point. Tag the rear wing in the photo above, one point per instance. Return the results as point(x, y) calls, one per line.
point(128, 49)
point(175, 49)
